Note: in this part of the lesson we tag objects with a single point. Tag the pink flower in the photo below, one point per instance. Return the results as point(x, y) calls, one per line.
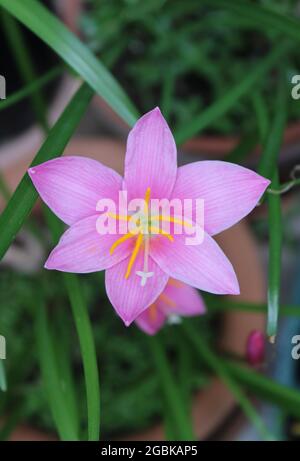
point(138, 266)
point(177, 299)
point(255, 349)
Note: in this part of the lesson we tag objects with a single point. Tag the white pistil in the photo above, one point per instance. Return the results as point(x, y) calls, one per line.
point(144, 274)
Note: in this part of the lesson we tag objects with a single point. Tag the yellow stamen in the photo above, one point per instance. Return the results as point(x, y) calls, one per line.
point(171, 219)
point(119, 241)
point(166, 299)
point(157, 230)
point(147, 199)
point(136, 249)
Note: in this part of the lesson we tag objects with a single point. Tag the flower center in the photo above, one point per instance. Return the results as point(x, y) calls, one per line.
point(146, 227)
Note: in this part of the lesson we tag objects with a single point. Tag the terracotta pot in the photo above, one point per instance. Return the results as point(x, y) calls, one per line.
point(212, 405)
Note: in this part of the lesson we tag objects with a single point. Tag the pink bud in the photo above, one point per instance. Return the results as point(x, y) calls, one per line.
point(255, 350)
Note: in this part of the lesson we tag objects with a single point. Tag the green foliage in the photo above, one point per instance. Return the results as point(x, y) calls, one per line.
point(185, 56)
point(130, 395)
point(212, 66)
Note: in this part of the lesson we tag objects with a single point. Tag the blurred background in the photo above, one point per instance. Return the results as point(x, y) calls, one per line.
point(184, 57)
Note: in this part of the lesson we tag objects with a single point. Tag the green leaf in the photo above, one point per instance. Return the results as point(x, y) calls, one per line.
point(217, 305)
point(88, 352)
point(86, 340)
point(215, 363)
point(268, 168)
point(3, 384)
point(25, 195)
point(51, 377)
point(64, 365)
point(262, 115)
point(274, 264)
point(172, 395)
point(232, 96)
point(53, 32)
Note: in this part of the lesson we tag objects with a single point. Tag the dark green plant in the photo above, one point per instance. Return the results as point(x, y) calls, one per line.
point(187, 55)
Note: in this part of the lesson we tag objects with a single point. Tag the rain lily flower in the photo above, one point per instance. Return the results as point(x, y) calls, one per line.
point(139, 264)
point(255, 349)
point(177, 299)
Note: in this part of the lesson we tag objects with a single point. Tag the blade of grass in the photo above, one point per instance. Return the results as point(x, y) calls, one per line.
point(268, 168)
point(171, 392)
point(64, 364)
point(49, 29)
point(19, 50)
point(212, 361)
point(216, 305)
point(31, 88)
point(51, 379)
point(25, 195)
point(231, 97)
point(88, 352)
point(85, 334)
point(3, 383)
point(262, 115)
point(274, 263)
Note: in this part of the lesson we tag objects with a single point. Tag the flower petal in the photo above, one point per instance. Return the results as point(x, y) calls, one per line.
point(127, 296)
point(82, 249)
point(185, 300)
point(151, 157)
point(229, 191)
point(72, 186)
point(151, 320)
point(202, 266)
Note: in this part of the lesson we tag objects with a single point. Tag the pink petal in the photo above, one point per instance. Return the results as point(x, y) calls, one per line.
point(127, 296)
point(203, 266)
point(229, 191)
point(82, 249)
point(151, 320)
point(72, 186)
point(186, 301)
point(151, 157)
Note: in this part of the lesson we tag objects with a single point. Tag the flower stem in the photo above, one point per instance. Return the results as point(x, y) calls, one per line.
point(86, 340)
point(275, 241)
